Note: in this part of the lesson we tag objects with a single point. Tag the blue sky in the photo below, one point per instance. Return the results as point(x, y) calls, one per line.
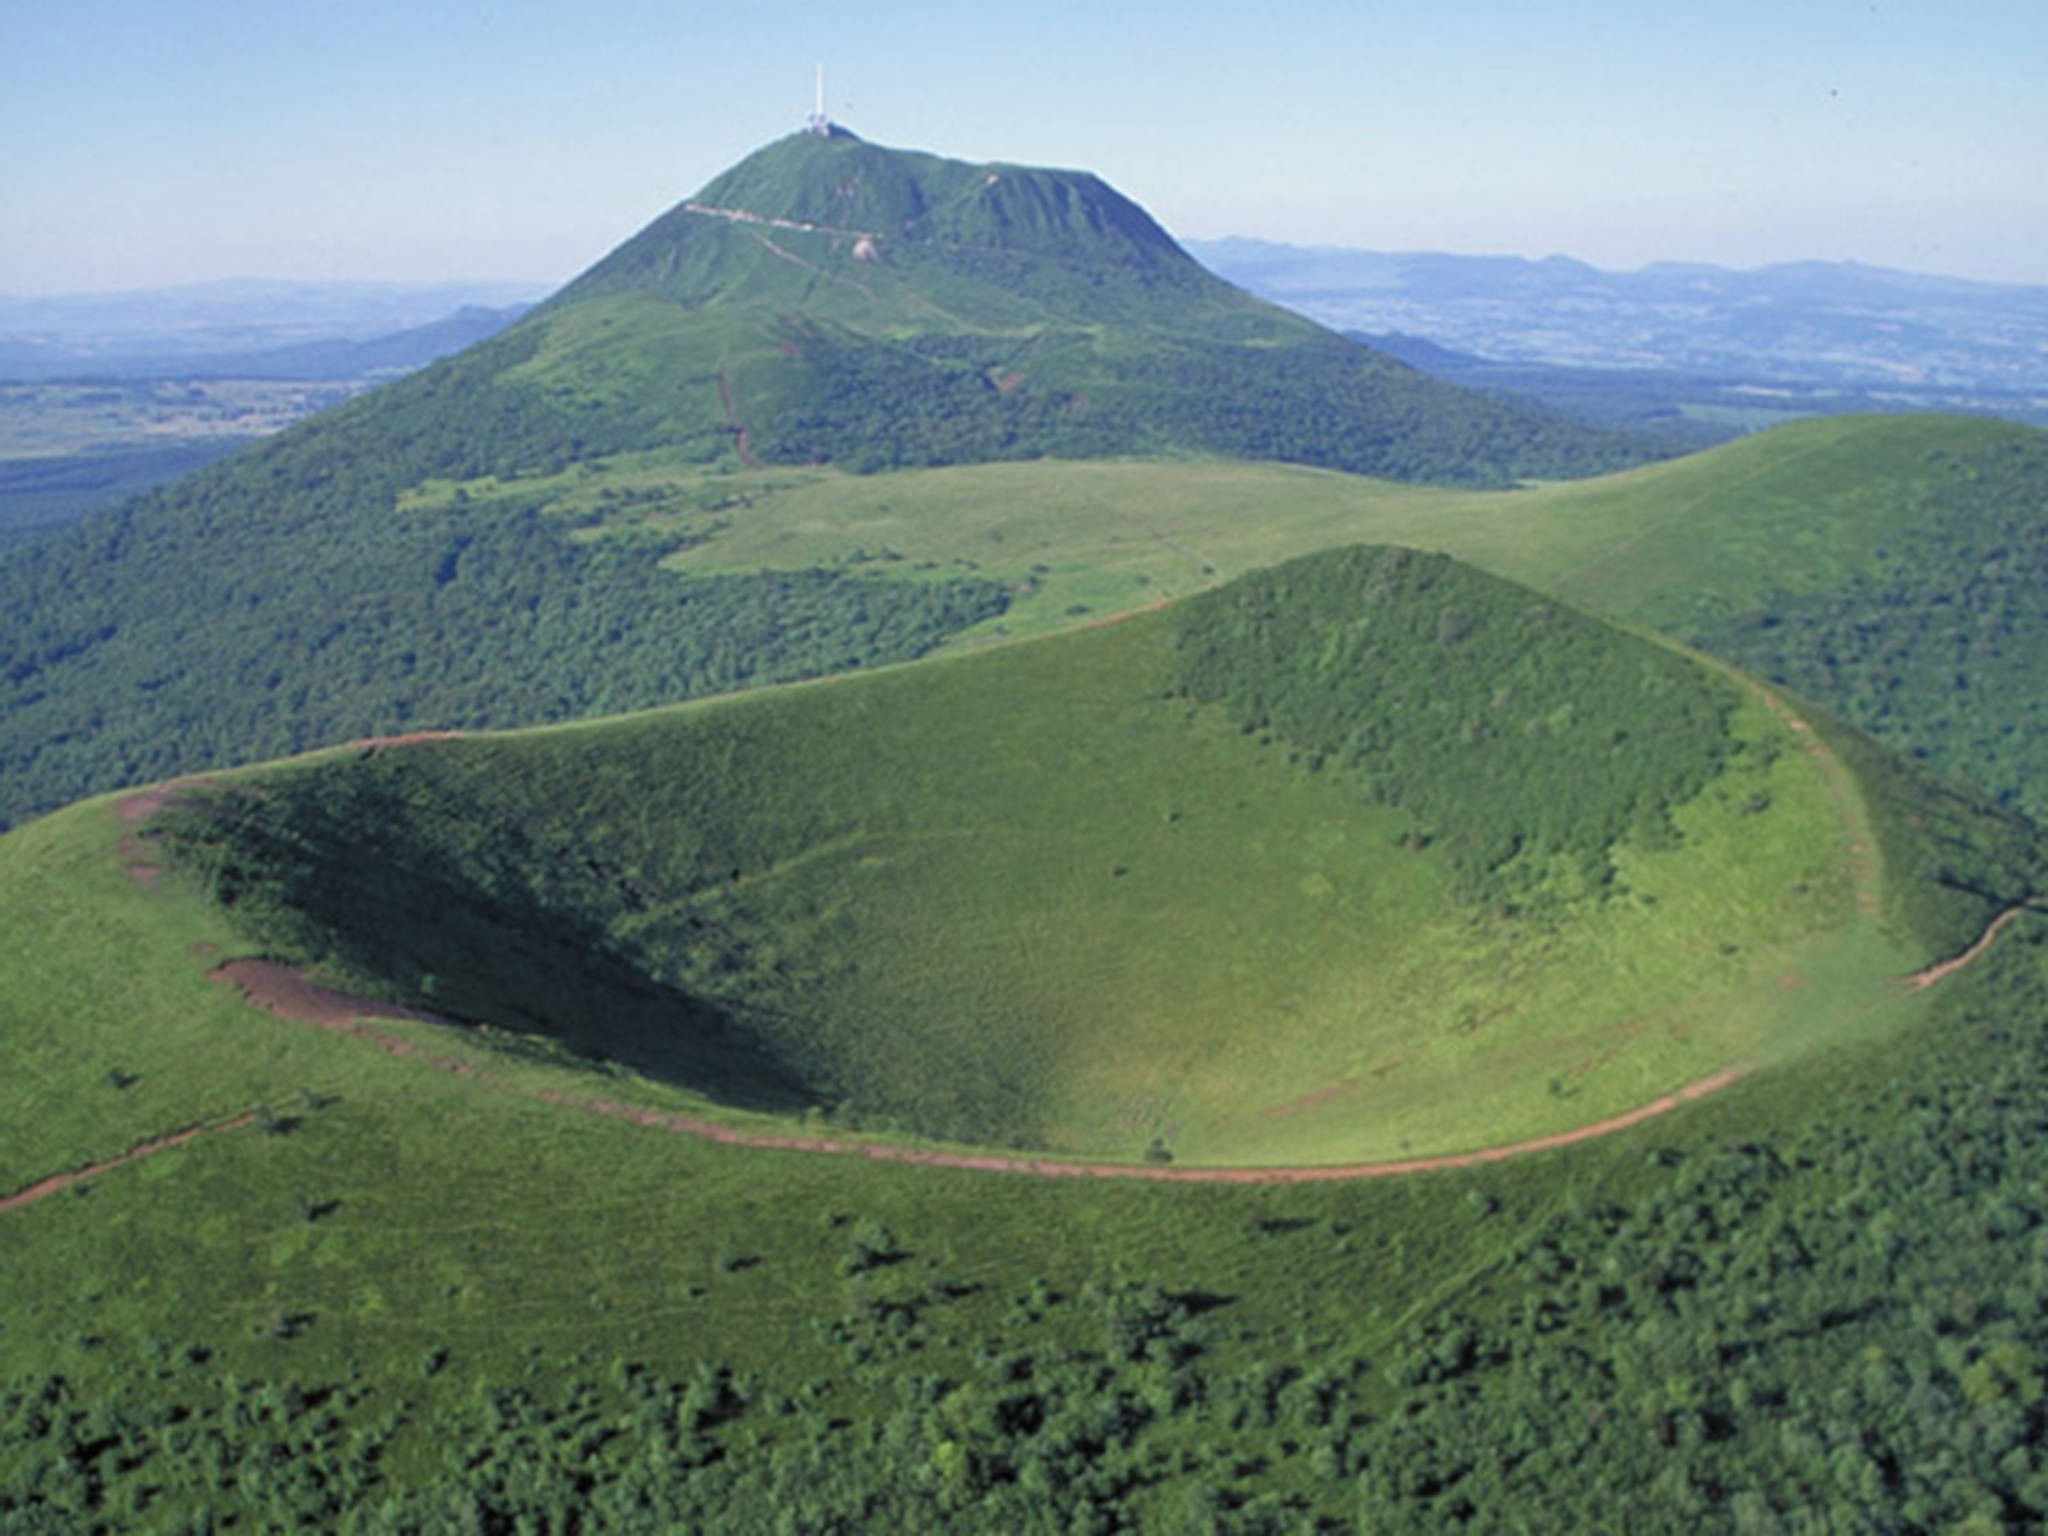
point(148, 142)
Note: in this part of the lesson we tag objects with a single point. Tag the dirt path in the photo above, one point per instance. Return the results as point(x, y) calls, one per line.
point(742, 216)
point(739, 427)
point(996, 1162)
point(283, 991)
point(1862, 862)
point(370, 746)
point(135, 809)
point(43, 1188)
point(1941, 968)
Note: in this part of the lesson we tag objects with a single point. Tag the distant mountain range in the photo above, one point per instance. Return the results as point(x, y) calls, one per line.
point(1820, 325)
point(252, 328)
point(1837, 323)
point(1612, 1084)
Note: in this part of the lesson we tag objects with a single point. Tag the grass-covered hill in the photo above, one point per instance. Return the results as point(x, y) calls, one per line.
point(826, 301)
point(1371, 854)
point(1893, 569)
point(407, 1276)
point(1887, 566)
point(849, 303)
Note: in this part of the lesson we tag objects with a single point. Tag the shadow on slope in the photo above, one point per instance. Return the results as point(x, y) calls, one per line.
point(346, 880)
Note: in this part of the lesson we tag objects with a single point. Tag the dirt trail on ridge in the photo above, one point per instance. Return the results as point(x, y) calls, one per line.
point(136, 808)
point(281, 990)
point(1941, 968)
point(732, 416)
point(285, 992)
point(55, 1183)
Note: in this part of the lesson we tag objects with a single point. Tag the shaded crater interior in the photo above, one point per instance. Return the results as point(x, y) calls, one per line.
point(1123, 890)
point(352, 875)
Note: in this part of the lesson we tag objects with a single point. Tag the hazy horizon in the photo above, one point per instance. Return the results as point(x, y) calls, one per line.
point(526, 289)
point(423, 142)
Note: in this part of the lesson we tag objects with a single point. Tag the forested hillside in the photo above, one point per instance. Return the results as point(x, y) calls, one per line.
point(827, 301)
point(1516, 731)
point(199, 626)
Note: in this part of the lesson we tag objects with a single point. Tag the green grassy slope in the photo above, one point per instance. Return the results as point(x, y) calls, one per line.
point(1885, 566)
point(1891, 569)
point(1897, 553)
point(437, 1290)
point(884, 307)
point(1371, 856)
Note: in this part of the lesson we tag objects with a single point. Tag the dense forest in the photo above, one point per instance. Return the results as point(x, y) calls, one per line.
point(872, 404)
point(1516, 730)
point(1934, 649)
point(333, 616)
point(1816, 1301)
point(285, 597)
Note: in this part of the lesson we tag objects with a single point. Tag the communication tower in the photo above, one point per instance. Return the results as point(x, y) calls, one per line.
point(818, 122)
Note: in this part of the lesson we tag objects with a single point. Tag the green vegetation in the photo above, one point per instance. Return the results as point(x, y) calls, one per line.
point(841, 302)
point(1361, 857)
point(114, 676)
point(1048, 896)
point(1532, 735)
point(279, 599)
point(1881, 565)
point(1932, 643)
point(265, 604)
point(416, 1299)
point(452, 616)
point(51, 490)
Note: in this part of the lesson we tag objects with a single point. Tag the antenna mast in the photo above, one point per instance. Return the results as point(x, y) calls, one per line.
point(818, 122)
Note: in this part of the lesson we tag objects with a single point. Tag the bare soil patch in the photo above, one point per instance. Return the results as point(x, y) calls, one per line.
point(370, 746)
point(133, 810)
point(285, 991)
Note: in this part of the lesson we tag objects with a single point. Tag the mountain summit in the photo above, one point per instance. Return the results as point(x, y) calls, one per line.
point(832, 300)
point(882, 207)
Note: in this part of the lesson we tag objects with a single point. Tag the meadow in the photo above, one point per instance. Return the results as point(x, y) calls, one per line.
point(413, 1298)
point(1882, 566)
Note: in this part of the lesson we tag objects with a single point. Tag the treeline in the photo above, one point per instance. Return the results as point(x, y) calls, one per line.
point(213, 624)
point(949, 398)
point(1517, 731)
point(1933, 652)
point(282, 598)
point(1827, 1319)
